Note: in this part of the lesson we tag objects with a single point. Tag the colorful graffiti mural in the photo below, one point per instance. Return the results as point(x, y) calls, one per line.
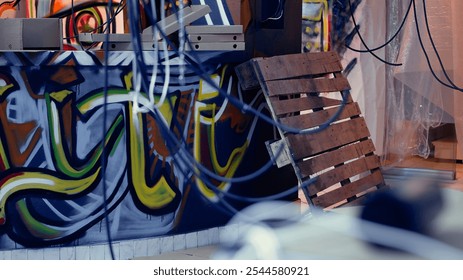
point(327, 25)
point(51, 149)
point(62, 174)
point(316, 23)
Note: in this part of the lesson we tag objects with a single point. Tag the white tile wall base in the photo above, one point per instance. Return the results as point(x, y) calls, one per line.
point(127, 249)
point(179, 242)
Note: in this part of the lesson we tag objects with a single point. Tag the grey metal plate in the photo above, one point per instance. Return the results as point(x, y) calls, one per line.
point(210, 38)
point(214, 29)
point(222, 46)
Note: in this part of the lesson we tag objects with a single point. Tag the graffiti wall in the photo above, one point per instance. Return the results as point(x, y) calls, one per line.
point(53, 186)
point(316, 25)
point(327, 25)
point(79, 159)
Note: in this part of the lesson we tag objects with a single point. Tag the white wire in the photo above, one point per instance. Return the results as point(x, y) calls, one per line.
point(165, 88)
point(136, 87)
point(181, 39)
point(280, 11)
point(155, 53)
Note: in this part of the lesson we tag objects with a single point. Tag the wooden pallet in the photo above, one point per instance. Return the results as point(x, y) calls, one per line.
point(296, 88)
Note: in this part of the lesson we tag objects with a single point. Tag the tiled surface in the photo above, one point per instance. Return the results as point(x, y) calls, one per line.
point(126, 250)
point(141, 248)
point(97, 252)
point(130, 249)
point(167, 244)
point(213, 235)
point(203, 238)
point(154, 247)
point(66, 253)
point(5, 255)
point(200, 253)
point(116, 251)
point(35, 254)
point(191, 240)
point(20, 254)
point(179, 242)
point(82, 253)
point(51, 254)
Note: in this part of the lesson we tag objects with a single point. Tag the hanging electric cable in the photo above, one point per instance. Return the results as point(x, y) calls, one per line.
point(363, 41)
point(423, 48)
point(103, 146)
point(178, 147)
point(435, 48)
point(392, 38)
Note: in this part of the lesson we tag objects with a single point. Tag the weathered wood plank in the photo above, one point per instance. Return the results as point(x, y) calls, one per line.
point(356, 202)
point(349, 190)
point(336, 135)
point(335, 157)
point(314, 119)
point(303, 103)
point(299, 65)
point(307, 86)
point(343, 172)
point(247, 76)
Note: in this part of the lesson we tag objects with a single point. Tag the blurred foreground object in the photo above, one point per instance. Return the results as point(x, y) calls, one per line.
point(340, 233)
point(413, 206)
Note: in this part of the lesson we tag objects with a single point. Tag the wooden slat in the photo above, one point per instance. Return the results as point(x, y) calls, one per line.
point(349, 190)
point(307, 86)
point(336, 135)
point(335, 157)
point(298, 65)
point(317, 118)
point(293, 105)
point(343, 172)
point(356, 202)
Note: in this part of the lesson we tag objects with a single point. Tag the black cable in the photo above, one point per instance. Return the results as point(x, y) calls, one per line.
point(171, 139)
point(200, 71)
point(363, 41)
point(426, 53)
point(107, 22)
point(103, 153)
point(278, 13)
point(198, 68)
point(393, 36)
point(111, 19)
point(73, 21)
point(435, 48)
point(167, 133)
point(174, 145)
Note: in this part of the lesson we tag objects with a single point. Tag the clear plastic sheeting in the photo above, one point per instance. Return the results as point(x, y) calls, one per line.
point(416, 102)
point(365, 73)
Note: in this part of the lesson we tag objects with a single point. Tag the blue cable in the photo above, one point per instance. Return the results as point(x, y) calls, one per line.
point(170, 138)
point(168, 135)
point(105, 117)
point(202, 73)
